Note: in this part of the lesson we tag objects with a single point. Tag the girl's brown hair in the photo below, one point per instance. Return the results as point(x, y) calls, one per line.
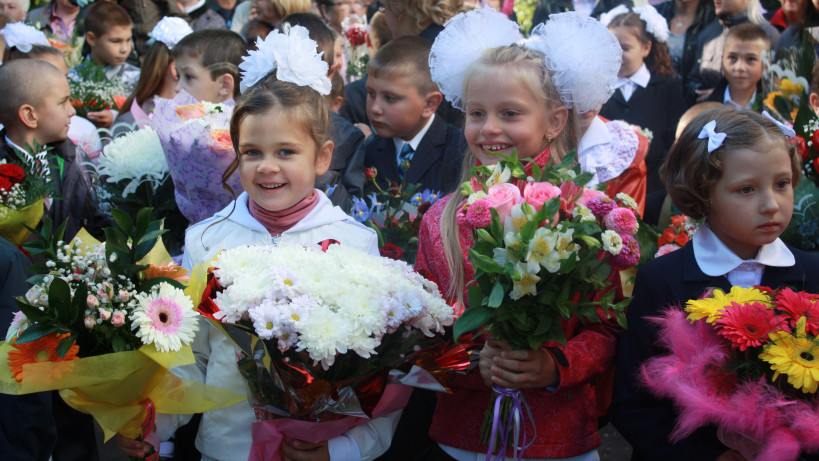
point(425, 12)
point(152, 75)
point(658, 60)
point(690, 171)
point(527, 66)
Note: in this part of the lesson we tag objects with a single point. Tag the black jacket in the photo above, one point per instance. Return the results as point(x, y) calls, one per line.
point(657, 107)
point(436, 164)
point(704, 16)
point(645, 421)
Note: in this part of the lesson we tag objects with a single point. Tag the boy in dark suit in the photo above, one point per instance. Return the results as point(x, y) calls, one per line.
point(412, 145)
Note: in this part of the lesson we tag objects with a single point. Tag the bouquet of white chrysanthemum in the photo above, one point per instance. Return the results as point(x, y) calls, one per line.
point(343, 317)
point(104, 327)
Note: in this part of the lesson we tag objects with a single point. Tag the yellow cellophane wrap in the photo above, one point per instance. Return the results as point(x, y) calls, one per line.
point(199, 279)
point(111, 387)
point(157, 256)
point(11, 221)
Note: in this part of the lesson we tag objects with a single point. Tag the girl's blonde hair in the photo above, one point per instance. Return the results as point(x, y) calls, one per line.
point(690, 171)
point(527, 66)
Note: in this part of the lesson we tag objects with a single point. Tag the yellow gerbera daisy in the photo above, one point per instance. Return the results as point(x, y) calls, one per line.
point(796, 356)
point(711, 307)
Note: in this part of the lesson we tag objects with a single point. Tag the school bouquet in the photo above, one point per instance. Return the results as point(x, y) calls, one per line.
point(545, 250)
point(92, 91)
point(395, 216)
point(319, 330)
point(24, 186)
point(746, 361)
point(132, 174)
point(358, 55)
point(676, 235)
point(195, 137)
point(104, 324)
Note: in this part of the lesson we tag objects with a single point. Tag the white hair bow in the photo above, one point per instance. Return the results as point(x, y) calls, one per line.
point(23, 36)
point(786, 130)
point(714, 139)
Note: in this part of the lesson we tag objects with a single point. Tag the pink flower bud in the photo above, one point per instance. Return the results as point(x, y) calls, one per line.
point(538, 193)
point(92, 301)
point(622, 221)
point(118, 319)
point(89, 322)
point(124, 296)
point(105, 314)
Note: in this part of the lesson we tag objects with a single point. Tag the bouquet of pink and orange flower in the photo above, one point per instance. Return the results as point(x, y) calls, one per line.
point(546, 249)
point(746, 361)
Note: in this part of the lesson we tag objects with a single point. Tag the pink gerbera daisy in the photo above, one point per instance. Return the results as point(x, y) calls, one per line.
point(798, 304)
point(748, 324)
point(165, 317)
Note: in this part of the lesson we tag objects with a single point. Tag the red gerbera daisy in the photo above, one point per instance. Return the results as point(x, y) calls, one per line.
point(747, 325)
point(798, 304)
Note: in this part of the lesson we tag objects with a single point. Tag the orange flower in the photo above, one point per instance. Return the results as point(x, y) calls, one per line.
point(222, 138)
point(119, 100)
point(41, 350)
point(170, 270)
point(58, 44)
point(190, 111)
point(76, 103)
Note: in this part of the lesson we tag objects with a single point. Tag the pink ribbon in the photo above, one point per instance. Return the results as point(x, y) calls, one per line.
point(269, 435)
point(148, 434)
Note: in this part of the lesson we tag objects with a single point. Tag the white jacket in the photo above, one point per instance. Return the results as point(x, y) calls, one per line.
point(225, 434)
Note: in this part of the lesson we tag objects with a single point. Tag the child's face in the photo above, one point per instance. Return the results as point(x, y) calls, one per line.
point(196, 80)
point(634, 51)
point(742, 63)
point(111, 48)
point(752, 203)
point(54, 112)
point(396, 108)
point(503, 115)
point(730, 7)
point(278, 160)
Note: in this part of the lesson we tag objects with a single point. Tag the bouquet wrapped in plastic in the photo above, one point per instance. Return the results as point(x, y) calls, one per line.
point(24, 187)
point(93, 91)
point(104, 324)
point(546, 249)
point(197, 145)
point(745, 361)
point(318, 333)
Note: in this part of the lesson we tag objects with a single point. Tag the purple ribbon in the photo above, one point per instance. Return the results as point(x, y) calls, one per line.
point(518, 404)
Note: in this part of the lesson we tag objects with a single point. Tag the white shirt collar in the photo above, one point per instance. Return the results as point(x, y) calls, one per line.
point(25, 153)
point(642, 76)
point(715, 259)
point(399, 143)
point(726, 99)
point(595, 135)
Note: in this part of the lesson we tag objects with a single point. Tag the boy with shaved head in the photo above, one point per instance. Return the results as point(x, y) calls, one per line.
point(39, 110)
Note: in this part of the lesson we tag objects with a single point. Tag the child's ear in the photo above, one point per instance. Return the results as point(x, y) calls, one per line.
point(431, 103)
point(28, 116)
point(556, 120)
point(226, 85)
point(90, 39)
point(323, 158)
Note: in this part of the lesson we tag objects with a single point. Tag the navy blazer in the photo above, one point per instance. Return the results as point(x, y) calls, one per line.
point(645, 421)
point(657, 107)
point(436, 164)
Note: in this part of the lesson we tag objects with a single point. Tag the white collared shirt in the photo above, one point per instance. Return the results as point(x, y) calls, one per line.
point(715, 259)
point(399, 143)
point(726, 99)
point(627, 85)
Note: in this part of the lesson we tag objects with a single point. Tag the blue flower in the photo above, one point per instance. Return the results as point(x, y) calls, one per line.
point(376, 205)
point(328, 190)
point(360, 211)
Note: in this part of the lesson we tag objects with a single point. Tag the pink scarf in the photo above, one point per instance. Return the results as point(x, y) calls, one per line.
point(276, 222)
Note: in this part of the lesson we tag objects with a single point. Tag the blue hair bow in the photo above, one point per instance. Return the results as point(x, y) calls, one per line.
point(714, 139)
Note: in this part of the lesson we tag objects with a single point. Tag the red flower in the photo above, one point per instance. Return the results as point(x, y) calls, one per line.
point(798, 304)
point(370, 173)
point(815, 139)
point(569, 192)
point(119, 100)
point(667, 237)
point(816, 164)
point(392, 251)
point(681, 239)
point(802, 146)
point(5, 183)
point(15, 173)
point(747, 325)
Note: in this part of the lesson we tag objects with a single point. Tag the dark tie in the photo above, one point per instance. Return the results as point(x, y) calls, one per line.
point(404, 159)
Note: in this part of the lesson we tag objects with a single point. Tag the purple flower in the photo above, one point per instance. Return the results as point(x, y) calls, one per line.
point(601, 206)
point(629, 256)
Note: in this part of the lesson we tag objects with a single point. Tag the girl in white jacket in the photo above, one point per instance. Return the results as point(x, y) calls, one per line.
point(280, 131)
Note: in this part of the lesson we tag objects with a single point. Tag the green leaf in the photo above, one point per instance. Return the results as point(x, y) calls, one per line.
point(472, 319)
point(484, 235)
point(32, 313)
point(495, 227)
point(151, 237)
point(544, 324)
point(59, 296)
point(118, 343)
point(475, 295)
point(36, 331)
point(496, 297)
point(78, 304)
point(485, 263)
point(143, 221)
point(65, 344)
point(122, 220)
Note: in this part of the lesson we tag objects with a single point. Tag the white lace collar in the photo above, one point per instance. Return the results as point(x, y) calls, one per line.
point(607, 154)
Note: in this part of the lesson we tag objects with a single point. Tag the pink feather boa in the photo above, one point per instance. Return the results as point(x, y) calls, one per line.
point(778, 427)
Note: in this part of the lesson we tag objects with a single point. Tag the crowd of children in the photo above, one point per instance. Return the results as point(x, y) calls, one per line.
point(448, 86)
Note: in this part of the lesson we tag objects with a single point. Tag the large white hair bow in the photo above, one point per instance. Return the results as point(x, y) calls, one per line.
point(656, 24)
point(294, 57)
point(23, 36)
point(170, 30)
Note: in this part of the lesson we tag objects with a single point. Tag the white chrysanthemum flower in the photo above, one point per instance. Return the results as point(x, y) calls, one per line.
point(165, 318)
point(323, 336)
point(240, 263)
point(136, 156)
point(612, 242)
point(265, 318)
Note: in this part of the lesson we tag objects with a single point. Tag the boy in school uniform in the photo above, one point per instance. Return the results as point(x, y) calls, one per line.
point(411, 143)
point(40, 111)
point(742, 68)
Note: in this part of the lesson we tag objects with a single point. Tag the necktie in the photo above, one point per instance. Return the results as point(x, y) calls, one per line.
point(404, 159)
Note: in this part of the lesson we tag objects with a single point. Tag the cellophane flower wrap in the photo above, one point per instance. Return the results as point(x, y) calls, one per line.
point(746, 361)
point(131, 174)
point(104, 324)
point(546, 249)
point(395, 215)
point(318, 333)
point(92, 91)
point(196, 139)
point(25, 183)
